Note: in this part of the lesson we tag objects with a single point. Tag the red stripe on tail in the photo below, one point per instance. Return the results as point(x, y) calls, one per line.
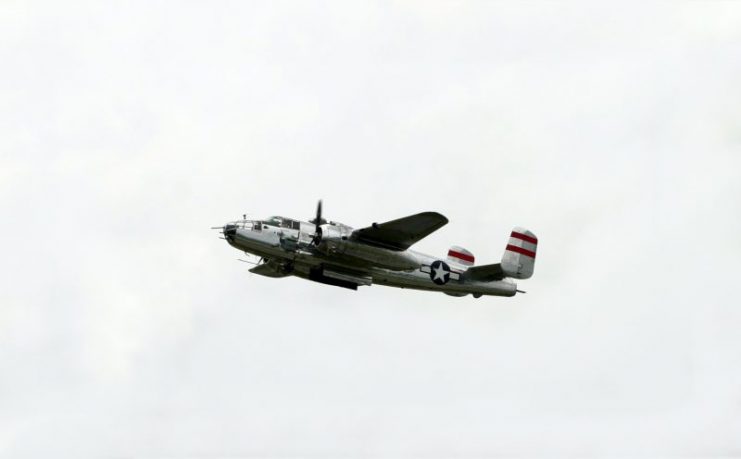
point(520, 250)
point(461, 256)
point(524, 237)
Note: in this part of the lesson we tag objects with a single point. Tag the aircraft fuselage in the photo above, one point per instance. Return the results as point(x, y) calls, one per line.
point(287, 247)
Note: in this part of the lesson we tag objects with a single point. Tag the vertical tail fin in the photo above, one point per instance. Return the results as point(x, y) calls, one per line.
point(518, 260)
point(460, 256)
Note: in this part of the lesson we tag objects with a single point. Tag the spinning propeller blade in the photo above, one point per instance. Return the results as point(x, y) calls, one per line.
point(317, 221)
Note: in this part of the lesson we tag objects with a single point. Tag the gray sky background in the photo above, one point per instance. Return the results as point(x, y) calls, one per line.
point(127, 129)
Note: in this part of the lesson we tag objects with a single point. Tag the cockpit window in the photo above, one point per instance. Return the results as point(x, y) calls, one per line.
point(293, 224)
point(282, 222)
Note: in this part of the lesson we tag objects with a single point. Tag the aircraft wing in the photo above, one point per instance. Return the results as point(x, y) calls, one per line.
point(484, 273)
point(401, 233)
point(268, 270)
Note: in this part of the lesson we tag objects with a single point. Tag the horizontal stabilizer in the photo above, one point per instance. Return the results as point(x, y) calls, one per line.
point(484, 273)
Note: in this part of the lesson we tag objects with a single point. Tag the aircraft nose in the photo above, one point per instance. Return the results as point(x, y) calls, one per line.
point(230, 230)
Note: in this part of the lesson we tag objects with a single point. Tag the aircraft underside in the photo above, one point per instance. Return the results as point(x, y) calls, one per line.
point(412, 280)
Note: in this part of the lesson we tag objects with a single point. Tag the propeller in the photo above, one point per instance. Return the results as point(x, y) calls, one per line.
point(317, 238)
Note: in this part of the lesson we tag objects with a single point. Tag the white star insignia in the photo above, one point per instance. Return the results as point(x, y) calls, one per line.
point(440, 272)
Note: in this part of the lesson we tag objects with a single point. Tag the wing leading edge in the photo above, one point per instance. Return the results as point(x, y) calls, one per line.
point(401, 233)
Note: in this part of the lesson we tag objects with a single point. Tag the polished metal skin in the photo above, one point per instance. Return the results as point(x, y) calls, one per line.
point(336, 254)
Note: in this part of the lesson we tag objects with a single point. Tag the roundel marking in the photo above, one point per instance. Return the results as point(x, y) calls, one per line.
point(440, 272)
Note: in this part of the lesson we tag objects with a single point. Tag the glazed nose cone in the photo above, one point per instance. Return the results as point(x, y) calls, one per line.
point(230, 230)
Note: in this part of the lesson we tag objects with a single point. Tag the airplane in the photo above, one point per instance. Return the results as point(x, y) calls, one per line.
point(336, 254)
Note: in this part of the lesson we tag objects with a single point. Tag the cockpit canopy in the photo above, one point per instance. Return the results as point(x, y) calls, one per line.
point(282, 222)
point(277, 221)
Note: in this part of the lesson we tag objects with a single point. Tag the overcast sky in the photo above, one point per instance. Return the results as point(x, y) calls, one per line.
point(127, 129)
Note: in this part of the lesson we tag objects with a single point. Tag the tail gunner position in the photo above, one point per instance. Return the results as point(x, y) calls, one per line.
point(335, 254)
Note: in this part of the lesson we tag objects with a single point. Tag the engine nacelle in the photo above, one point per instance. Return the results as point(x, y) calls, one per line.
point(332, 233)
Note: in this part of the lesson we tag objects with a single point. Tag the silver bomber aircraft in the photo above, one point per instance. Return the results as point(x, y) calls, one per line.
point(335, 254)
